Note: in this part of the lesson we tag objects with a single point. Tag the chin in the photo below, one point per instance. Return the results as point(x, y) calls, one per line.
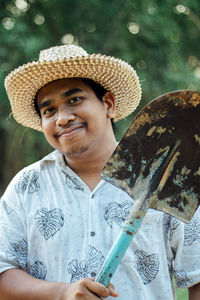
point(75, 152)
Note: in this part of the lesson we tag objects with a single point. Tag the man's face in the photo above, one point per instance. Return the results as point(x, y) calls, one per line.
point(74, 120)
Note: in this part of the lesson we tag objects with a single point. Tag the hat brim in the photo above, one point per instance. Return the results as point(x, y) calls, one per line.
point(113, 74)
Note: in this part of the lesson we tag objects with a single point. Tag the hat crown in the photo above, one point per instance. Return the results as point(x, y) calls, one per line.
point(61, 52)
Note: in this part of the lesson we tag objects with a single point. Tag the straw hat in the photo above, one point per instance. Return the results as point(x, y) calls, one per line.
point(70, 61)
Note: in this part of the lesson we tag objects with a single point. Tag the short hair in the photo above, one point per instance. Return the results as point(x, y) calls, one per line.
point(96, 88)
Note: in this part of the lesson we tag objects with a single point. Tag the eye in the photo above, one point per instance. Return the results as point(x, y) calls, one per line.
point(49, 111)
point(75, 100)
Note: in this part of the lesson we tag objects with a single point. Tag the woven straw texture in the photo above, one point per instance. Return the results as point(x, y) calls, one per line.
point(54, 63)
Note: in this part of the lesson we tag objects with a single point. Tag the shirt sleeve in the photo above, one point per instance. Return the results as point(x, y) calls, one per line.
point(13, 240)
point(185, 244)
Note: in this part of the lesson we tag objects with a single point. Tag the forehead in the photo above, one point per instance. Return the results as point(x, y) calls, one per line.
point(61, 85)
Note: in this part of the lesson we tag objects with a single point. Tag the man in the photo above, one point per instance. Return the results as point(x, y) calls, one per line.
point(58, 218)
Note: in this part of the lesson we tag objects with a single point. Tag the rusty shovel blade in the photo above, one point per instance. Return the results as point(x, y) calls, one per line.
point(157, 164)
point(164, 136)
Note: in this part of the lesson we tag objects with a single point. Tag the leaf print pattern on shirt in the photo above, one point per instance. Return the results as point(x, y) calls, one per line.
point(169, 222)
point(166, 222)
point(115, 212)
point(95, 259)
point(77, 270)
point(18, 253)
point(49, 222)
point(7, 208)
point(38, 270)
point(192, 231)
point(73, 182)
point(86, 268)
point(147, 265)
point(28, 182)
point(182, 280)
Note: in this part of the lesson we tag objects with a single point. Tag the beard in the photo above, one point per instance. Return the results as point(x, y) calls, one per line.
point(75, 152)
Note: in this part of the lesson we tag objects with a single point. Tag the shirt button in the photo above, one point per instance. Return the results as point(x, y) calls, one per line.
point(92, 233)
point(92, 196)
point(93, 274)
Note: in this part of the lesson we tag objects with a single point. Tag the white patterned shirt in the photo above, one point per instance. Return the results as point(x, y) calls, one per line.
point(53, 227)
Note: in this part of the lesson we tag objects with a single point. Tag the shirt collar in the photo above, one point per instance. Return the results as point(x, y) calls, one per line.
point(54, 157)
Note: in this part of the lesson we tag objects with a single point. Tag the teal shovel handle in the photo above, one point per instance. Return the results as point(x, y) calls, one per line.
point(117, 251)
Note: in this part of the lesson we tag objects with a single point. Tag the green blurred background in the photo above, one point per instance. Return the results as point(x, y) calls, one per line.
point(160, 39)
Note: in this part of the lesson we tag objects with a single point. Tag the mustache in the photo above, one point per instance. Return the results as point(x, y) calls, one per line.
point(69, 127)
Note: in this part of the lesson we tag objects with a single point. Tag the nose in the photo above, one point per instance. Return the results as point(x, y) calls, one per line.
point(64, 116)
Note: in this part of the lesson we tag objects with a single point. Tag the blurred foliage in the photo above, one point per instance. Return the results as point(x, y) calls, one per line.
point(182, 294)
point(158, 39)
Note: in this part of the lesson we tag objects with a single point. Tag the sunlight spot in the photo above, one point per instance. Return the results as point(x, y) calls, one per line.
point(133, 28)
point(22, 5)
point(39, 20)
point(67, 39)
point(8, 23)
point(181, 9)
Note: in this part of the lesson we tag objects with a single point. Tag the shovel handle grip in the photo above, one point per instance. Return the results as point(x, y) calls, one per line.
point(117, 251)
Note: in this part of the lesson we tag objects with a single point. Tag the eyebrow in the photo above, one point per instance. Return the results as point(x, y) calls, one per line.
point(65, 94)
point(43, 104)
point(70, 92)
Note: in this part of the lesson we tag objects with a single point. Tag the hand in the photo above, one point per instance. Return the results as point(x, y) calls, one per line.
point(88, 289)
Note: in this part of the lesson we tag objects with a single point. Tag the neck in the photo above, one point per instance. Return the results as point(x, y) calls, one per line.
point(90, 165)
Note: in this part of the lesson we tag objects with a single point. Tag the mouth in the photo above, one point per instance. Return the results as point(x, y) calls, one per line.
point(70, 130)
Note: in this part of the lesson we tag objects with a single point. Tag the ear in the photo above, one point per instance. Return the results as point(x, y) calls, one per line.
point(109, 101)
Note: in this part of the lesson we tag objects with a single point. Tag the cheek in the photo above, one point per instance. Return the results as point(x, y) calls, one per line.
point(49, 136)
point(47, 127)
point(47, 122)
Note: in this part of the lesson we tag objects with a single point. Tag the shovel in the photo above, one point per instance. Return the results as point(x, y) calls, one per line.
point(157, 163)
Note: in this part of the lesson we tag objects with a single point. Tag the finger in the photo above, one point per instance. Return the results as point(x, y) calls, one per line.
point(97, 288)
point(111, 288)
point(113, 293)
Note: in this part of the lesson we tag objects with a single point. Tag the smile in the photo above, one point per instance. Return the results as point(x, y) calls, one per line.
point(70, 131)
